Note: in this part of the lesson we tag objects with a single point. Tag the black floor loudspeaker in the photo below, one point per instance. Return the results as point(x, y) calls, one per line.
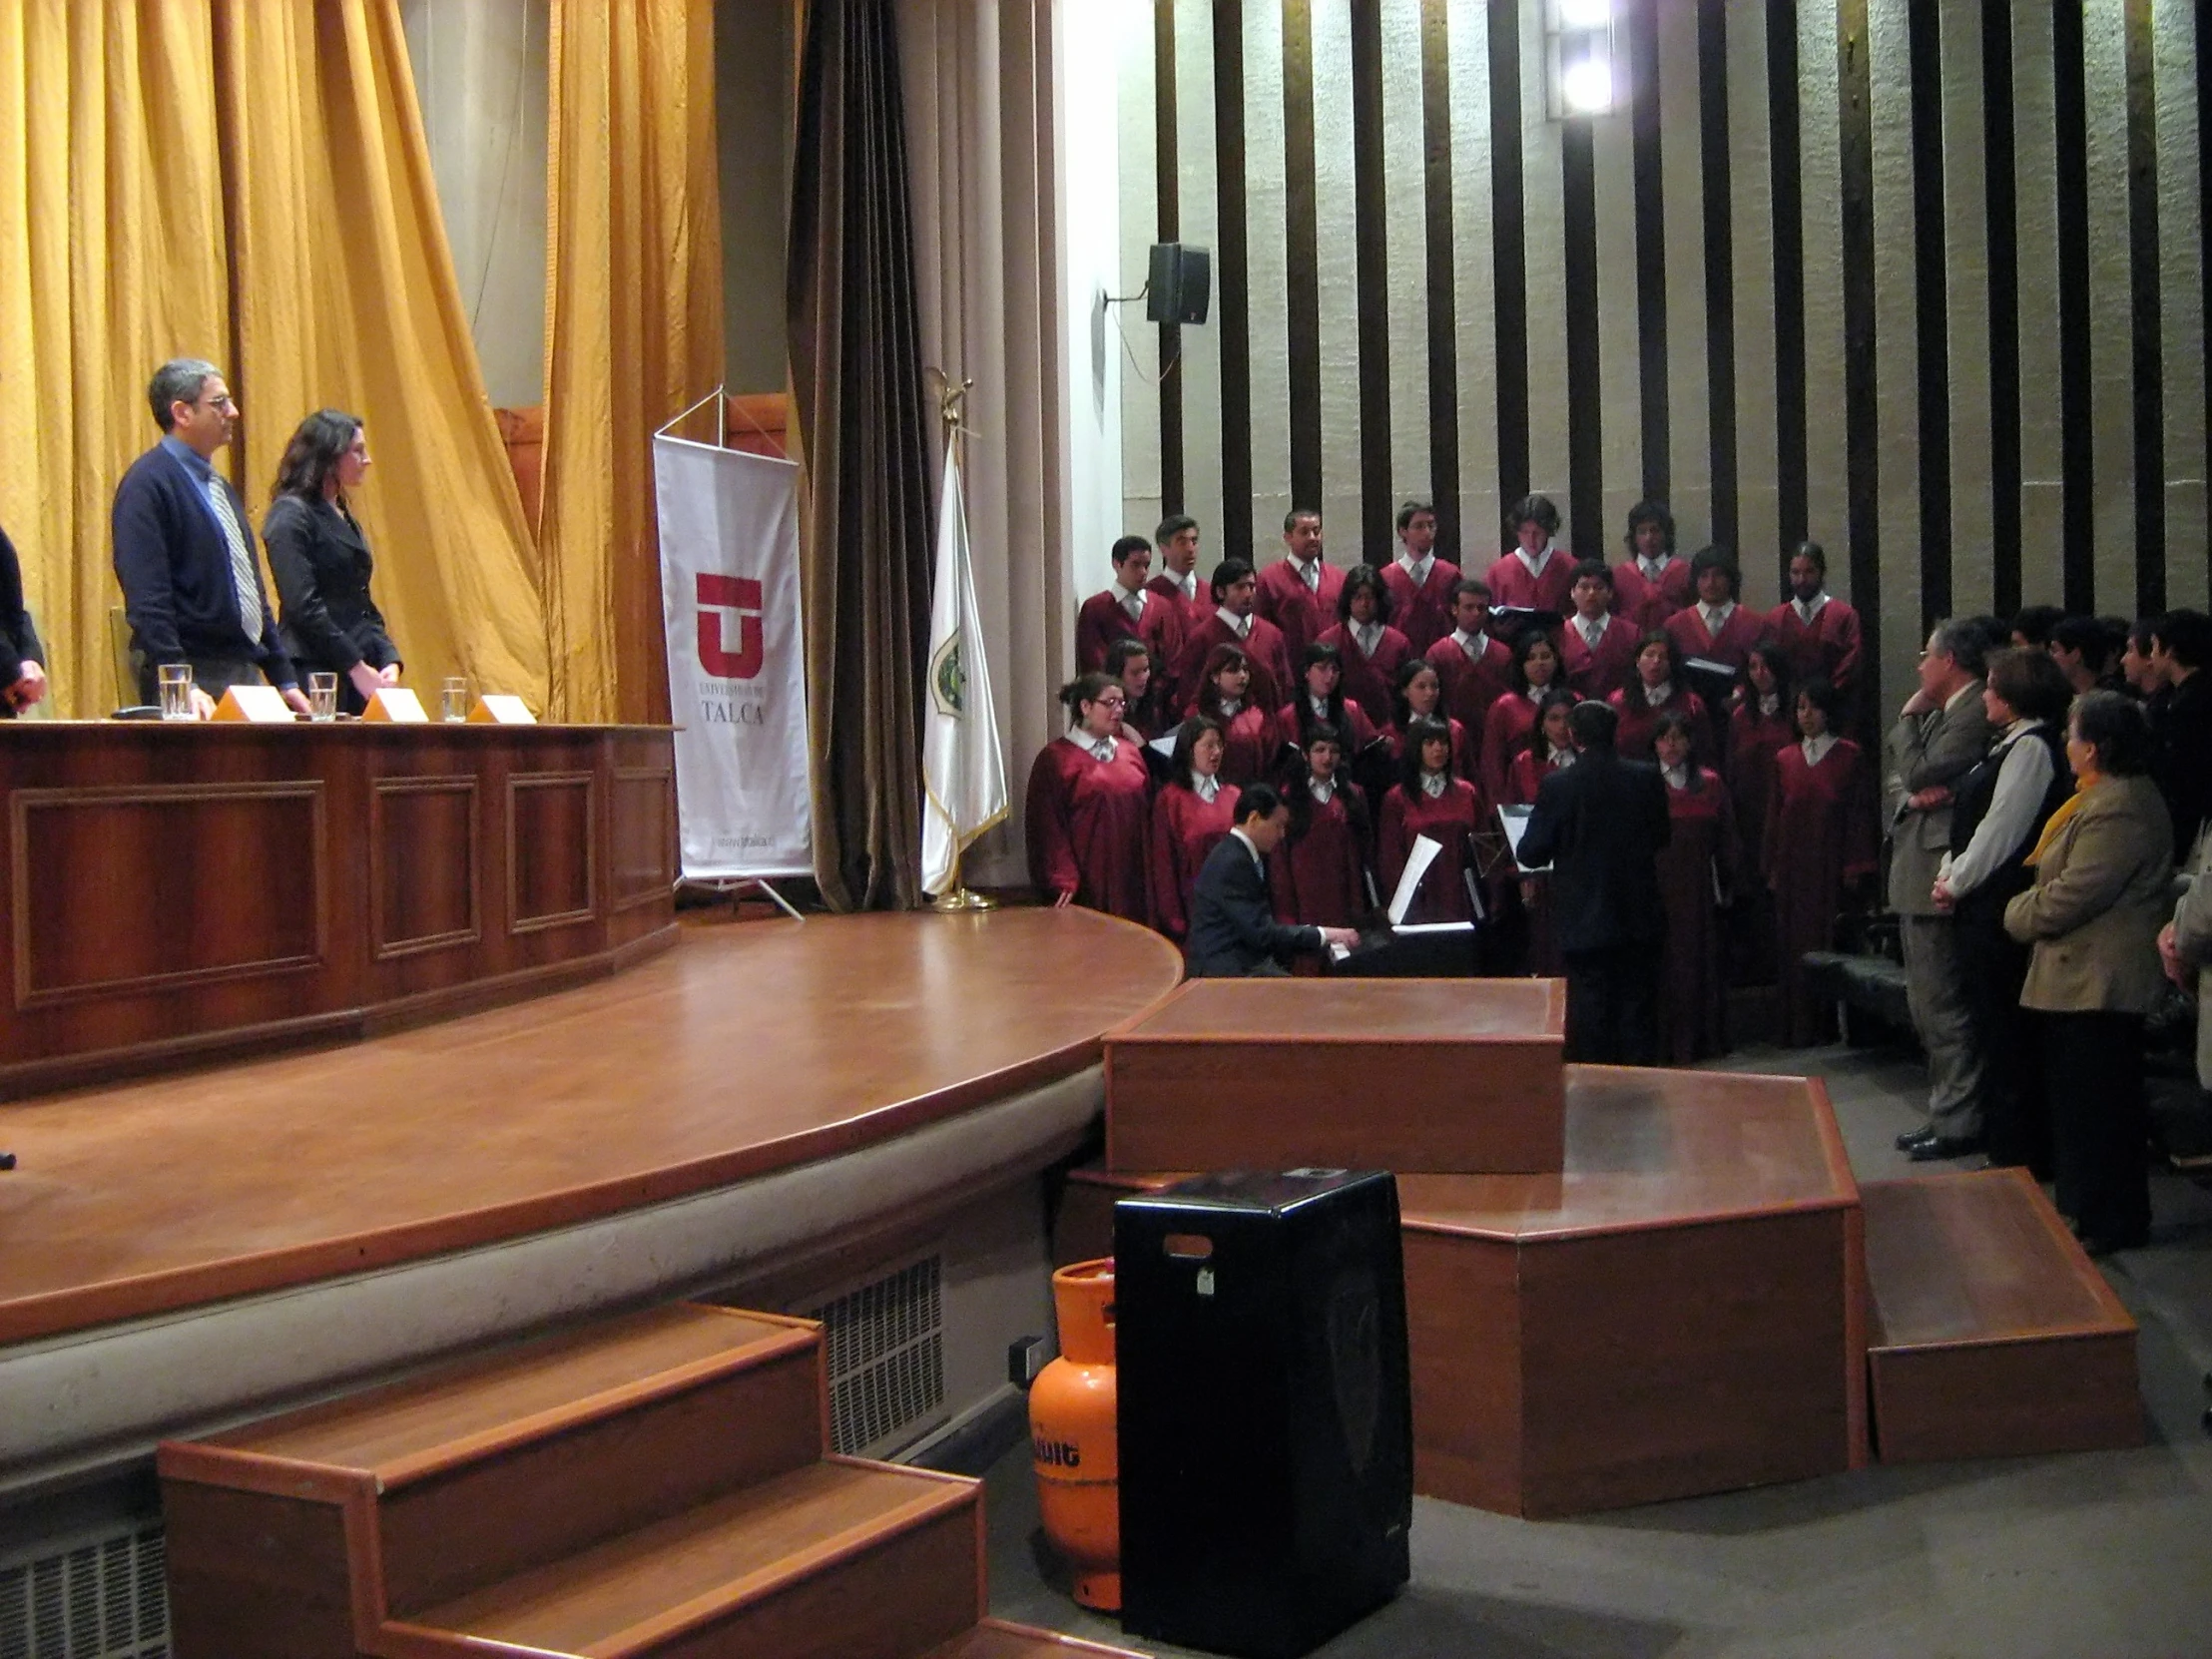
point(1267, 1450)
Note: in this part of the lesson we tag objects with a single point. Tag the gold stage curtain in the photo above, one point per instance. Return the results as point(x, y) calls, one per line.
point(862, 419)
point(633, 329)
point(248, 183)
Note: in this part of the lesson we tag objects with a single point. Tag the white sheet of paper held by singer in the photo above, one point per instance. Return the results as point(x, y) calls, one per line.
point(1514, 820)
point(1417, 861)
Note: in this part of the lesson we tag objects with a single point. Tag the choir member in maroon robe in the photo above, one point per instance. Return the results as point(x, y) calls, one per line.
point(1419, 583)
point(1127, 609)
point(1319, 870)
point(1232, 623)
point(1147, 715)
point(1428, 800)
point(1651, 584)
point(1550, 747)
point(1090, 800)
point(1534, 574)
point(1716, 629)
point(1599, 648)
point(1658, 689)
point(1474, 669)
point(1177, 581)
point(1372, 648)
point(1820, 845)
point(1762, 722)
point(1192, 812)
point(1820, 632)
point(1512, 718)
point(1322, 701)
point(1697, 876)
point(1249, 743)
point(1419, 696)
point(1297, 593)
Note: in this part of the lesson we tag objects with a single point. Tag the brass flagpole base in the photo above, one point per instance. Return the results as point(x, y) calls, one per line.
point(961, 899)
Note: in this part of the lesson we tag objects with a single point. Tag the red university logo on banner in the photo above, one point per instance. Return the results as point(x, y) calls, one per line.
point(718, 595)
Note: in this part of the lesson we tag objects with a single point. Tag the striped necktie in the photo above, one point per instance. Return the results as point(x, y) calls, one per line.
point(242, 562)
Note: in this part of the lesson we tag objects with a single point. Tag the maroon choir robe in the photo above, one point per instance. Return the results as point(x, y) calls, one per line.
point(1754, 743)
point(1505, 734)
point(1368, 681)
point(1551, 593)
point(1522, 780)
point(1086, 826)
point(1302, 614)
point(1471, 684)
point(1646, 605)
point(1184, 830)
point(1730, 648)
point(1597, 675)
point(1463, 757)
point(1318, 878)
point(1358, 730)
point(1423, 614)
point(1271, 680)
point(1640, 719)
point(1188, 612)
point(1103, 620)
point(1819, 838)
point(1449, 821)
point(1525, 776)
point(1248, 744)
point(1828, 650)
point(1701, 853)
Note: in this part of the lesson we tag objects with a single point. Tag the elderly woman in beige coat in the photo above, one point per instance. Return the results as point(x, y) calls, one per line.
point(2103, 871)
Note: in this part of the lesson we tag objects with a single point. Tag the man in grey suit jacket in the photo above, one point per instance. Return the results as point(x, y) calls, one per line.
point(1941, 734)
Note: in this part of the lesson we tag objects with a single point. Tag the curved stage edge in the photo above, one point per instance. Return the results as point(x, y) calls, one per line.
point(182, 1250)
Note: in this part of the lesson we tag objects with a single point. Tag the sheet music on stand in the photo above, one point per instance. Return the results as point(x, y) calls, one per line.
point(1424, 853)
point(1514, 822)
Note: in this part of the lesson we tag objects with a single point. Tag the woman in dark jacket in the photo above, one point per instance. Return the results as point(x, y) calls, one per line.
point(328, 621)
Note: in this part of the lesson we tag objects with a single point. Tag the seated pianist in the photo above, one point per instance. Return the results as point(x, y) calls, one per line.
point(184, 551)
point(1234, 932)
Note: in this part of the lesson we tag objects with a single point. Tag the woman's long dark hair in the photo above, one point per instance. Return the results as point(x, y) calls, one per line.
point(1364, 579)
point(1674, 720)
point(1303, 705)
point(1419, 733)
point(1777, 665)
point(1408, 672)
point(1209, 685)
point(317, 446)
point(1186, 740)
point(1301, 797)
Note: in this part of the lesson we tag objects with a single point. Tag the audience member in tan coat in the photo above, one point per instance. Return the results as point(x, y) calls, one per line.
point(2103, 871)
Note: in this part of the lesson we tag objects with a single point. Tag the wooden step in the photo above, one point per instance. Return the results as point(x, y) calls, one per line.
point(993, 1639)
point(841, 1558)
point(309, 1528)
point(1992, 1333)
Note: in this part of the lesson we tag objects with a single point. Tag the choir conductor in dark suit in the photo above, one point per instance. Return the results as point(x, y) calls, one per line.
point(1234, 932)
point(184, 551)
point(1599, 825)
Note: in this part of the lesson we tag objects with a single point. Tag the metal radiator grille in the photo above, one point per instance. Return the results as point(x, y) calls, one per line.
point(884, 1344)
point(101, 1596)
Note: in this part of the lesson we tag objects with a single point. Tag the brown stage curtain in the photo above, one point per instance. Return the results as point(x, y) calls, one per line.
point(862, 419)
point(633, 329)
point(248, 183)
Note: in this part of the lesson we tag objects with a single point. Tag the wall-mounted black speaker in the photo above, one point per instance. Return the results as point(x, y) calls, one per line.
point(1267, 1452)
point(1179, 284)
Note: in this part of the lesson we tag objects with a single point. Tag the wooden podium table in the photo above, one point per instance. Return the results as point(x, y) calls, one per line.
point(182, 892)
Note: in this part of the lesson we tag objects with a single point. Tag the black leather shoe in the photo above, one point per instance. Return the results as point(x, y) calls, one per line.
point(1940, 1147)
point(1915, 1137)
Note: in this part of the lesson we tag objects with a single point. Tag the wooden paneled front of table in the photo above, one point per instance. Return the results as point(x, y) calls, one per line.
point(176, 891)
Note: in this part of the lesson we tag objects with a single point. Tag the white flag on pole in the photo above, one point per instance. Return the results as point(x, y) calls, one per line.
point(963, 772)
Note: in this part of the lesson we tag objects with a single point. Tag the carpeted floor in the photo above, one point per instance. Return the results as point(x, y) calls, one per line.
point(2105, 1555)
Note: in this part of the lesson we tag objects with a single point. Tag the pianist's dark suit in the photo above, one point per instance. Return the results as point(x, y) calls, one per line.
point(1601, 825)
point(1233, 927)
point(19, 642)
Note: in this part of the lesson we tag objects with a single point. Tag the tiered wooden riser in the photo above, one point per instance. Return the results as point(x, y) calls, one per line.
point(658, 1484)
point(1448, 1075)
point(1678, 1311)
point(1992, 1333)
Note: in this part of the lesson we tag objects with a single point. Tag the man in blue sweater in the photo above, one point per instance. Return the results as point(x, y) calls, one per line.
point(184, 551)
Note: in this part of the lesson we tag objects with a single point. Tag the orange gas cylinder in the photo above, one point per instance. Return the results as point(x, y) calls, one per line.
point(1071, 1436)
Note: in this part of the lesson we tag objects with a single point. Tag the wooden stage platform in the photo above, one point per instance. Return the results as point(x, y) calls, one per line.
point(748, 1048)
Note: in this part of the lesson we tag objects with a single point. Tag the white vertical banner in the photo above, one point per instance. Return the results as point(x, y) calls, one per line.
point(736, 682)
point(964, 769)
